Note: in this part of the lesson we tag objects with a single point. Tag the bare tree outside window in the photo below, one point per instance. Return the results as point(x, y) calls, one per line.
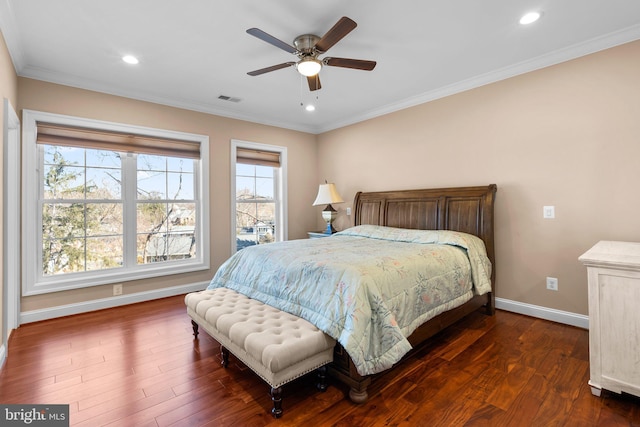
point(166, 212)
point(83, 209)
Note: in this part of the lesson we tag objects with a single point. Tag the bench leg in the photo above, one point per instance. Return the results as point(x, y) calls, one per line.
point(276, 398)
point(322, 378)
point(195, 326)
point(225, 356)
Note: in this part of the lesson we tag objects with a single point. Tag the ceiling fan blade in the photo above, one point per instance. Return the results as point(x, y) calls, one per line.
point(343, 27)
point(272, 68)
point(314, 82)
point(256, 32)
point(358, 64)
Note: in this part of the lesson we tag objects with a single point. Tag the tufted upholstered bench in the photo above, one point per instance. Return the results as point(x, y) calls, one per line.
point(276, 345)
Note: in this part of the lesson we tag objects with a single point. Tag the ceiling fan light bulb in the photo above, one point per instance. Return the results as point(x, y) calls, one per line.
point(309, 67)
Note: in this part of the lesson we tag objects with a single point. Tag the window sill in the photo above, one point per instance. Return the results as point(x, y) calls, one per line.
point(87, 280)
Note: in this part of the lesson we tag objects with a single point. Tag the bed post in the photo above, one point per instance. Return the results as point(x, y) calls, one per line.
point(488, 238)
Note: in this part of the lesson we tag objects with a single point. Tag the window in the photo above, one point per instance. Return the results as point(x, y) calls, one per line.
point(258, 189)
point(166, 210)
point(106, 202)
point(81, 209)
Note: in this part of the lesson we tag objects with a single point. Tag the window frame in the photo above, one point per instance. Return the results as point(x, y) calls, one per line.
point(34, 282)
point(280, 186)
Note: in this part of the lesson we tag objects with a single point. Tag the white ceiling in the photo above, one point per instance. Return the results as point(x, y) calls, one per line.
point(193, 51)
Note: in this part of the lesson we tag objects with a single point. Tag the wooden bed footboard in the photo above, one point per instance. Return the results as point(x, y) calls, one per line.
point(465, 209)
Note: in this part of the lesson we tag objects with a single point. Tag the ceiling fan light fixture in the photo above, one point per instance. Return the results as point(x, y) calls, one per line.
point(309, 66)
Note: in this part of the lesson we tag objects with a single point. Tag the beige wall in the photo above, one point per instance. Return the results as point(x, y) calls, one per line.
point(301, 151)
point(567, 135)
point(8, 90)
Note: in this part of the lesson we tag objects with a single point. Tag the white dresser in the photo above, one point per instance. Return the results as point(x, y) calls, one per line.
point(613, 270)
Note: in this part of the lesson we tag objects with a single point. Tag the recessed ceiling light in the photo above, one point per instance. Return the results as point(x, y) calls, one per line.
point(310, 108)
point(530, 18)
point(130, 59)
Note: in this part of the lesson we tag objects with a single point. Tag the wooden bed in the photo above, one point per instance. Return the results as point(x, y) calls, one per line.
point(465, 209)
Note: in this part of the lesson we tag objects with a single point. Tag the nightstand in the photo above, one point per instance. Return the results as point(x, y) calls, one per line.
point(318, 234)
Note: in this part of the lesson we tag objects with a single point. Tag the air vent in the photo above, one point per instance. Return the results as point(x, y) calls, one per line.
point(229, 98)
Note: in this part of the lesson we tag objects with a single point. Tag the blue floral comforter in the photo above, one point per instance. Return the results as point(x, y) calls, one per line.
point(369, 287)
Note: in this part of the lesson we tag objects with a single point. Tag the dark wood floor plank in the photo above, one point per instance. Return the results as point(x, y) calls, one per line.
point(140, 366)
point(119, 413)
point(488, 416)
point(527, 404)
point(585, 408)
point(440, 403)
point(510, 387)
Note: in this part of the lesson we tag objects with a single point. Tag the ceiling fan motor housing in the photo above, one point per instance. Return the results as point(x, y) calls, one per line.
point(306, 43)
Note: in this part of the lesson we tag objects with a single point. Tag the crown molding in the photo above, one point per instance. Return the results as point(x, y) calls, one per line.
point(42, 74)
point(588, 47)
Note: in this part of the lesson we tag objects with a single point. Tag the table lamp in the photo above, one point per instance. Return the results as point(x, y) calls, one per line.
point(328, 194)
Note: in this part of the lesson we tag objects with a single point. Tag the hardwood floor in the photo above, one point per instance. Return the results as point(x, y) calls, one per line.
point(139, 366)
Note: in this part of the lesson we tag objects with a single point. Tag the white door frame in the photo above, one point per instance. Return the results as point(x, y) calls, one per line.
point(11, 202)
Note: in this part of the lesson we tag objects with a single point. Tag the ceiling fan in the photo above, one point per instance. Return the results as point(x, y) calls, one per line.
point(308, 48)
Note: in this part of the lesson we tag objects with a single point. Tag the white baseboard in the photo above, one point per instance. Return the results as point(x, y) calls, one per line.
point(99, 304)
point(568, 318)
point(540, 312)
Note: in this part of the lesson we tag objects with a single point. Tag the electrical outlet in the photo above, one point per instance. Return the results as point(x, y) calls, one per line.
point(348, 211)
point(552, 283)
point(117, 289)
point(548, 212)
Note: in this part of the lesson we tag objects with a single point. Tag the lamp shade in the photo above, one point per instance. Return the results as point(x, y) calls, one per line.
point(327, 194)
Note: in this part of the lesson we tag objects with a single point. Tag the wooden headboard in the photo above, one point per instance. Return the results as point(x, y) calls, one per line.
point(466, 209)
